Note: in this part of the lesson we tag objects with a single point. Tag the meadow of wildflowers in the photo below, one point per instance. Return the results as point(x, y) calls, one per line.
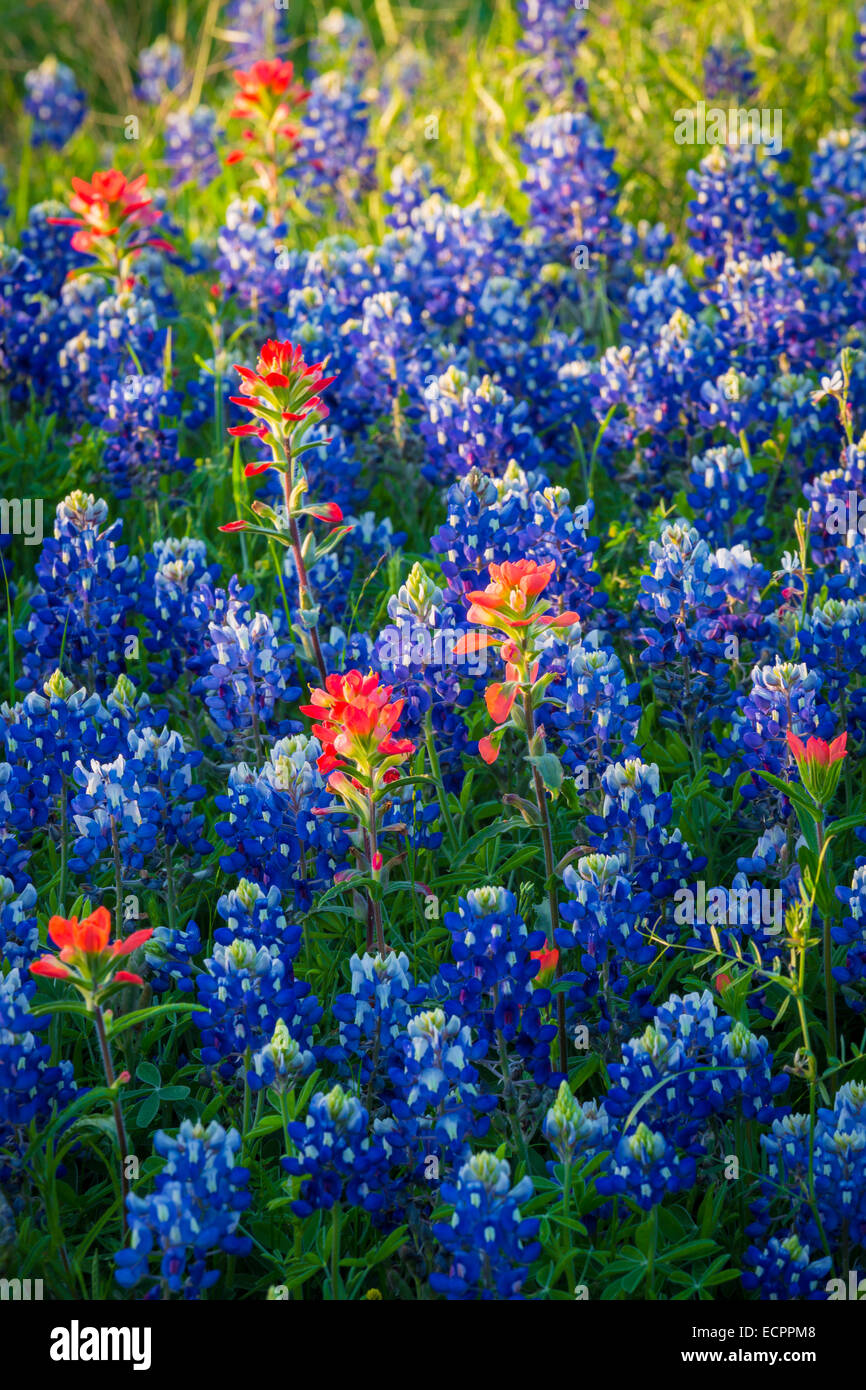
point(433, 653)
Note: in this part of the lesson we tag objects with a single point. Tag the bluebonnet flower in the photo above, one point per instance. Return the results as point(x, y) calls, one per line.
point(114, 807)
point(449, 253)
point(170, 956)
point(280, 1063)
point(552, 32)
point(828, 494)
point(571, 185)
point(769, 306)
point(435, 1082)
point(645, 1167)
point(121, 331)
point(273, 832)
point(472, 423)
point(247, 673)
point(410, 184)
point(48, 246)
point(492, 521)
point(689, 1064)
point(29, 1086)
point(739, 203)
point(254, 28)
point(87, 589)
point(604, 910)
point(487, 1245)
point(252, 913)
point(684, 594)
point(372, 1016)
point(174, 573)
point(166, 764)
point(838, 1167)
point(833, 641)
point(334, 155)
point(341, 39)
point(836, 175)
point(142, 448)
point(250, 260)
point(573, 1129)
point(47, 733)
point(728, 72)
point(633, 825)
point(387, 356)
point(193, 1212)
point(601, 717)
point(160, 70)
point(785, 696)
point(15, 823)
point(190, 147)
point(784, 1271)
point(337, 1159)
point(55, 101)
point(19, 929)
point(491, 981)
point(244, 992)
point(415, 655)
point(851, 932)
point(728, 496)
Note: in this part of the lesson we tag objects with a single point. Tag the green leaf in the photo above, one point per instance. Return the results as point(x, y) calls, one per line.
point(148, 1073)
point(147, 1110)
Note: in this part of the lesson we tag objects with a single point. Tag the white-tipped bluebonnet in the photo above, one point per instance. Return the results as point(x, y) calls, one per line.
point(87, 588)
point(160, 70)
point(471, 423)
point(280, 1063)
point(739, 204)
point(572, 1128)
point(29, 1086)
point(491, 982)
point(190, 147)
point(336, 1157)
point(273, 831)
point(487, 1246)
point(247, 675)
point(571, 184)
point(244, 992)
point(19, 929)
point(783, 1271)
point(645, 1167)
point(193, 1212)
point(55, 101)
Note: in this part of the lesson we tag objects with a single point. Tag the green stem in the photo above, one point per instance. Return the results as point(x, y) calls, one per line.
point(436, 771)
point(335, 1250)
point(111, 1080)
point(550, 866)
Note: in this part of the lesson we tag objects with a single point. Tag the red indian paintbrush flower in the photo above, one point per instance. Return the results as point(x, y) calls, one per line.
point(112, 215)
point(819, 764)
point(512, 606)
point(268, 100)
point(267, 88)
point(357, 721)
point(88, 959)
point(547, 958)
point(281, 394)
